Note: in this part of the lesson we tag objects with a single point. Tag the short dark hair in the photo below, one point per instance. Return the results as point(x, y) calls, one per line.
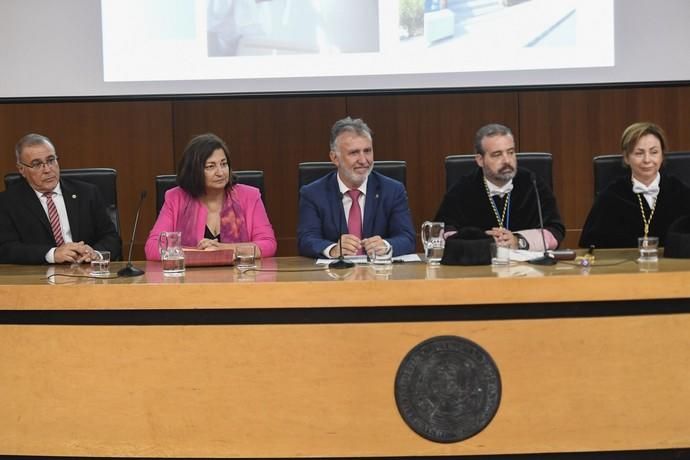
point(490, 130)
point(355, 125)
point(190, 175)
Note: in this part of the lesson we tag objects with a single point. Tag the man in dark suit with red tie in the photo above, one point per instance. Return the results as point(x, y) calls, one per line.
point(365, 210)
point(44, 219)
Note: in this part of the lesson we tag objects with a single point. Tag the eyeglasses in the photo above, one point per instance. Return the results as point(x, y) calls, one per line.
point(37, 164)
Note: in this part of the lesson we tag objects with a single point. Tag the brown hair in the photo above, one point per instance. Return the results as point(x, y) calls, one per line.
point(634, 132)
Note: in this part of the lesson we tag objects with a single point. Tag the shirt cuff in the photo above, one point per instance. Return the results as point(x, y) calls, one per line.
point(533, 237)
point(327, 252)
point(50, 256)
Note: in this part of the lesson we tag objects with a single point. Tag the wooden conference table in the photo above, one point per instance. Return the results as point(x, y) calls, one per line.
point(293, 362)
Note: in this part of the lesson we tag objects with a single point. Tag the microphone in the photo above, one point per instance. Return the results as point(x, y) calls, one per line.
point(129, 269)
point(341, 262)
point(546, 259)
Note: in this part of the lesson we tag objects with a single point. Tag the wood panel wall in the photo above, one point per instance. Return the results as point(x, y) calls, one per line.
point(144, 138)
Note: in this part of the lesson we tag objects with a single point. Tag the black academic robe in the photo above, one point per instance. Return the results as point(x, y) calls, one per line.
point(466, 205)
point(25, 232)
point(615, 220)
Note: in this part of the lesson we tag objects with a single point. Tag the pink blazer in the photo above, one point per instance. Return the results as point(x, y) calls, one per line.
point(258, 225)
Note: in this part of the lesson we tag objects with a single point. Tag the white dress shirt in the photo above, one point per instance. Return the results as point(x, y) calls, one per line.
point(649, 192)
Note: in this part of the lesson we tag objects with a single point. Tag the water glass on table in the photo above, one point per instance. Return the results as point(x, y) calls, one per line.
point(649, 248)
point(500, 253)
point(245, 256)
point(382, 255)
point(100, 263)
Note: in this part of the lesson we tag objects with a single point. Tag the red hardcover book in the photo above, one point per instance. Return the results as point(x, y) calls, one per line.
point(207, 258)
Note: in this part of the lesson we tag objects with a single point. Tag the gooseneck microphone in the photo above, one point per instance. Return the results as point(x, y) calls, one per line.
point(131, 270)
point(341, 262)
point(546, 259)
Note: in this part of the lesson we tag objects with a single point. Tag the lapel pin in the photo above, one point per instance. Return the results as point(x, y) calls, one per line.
point(74, 197)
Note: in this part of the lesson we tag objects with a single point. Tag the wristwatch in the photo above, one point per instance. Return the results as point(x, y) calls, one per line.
point(521, 241)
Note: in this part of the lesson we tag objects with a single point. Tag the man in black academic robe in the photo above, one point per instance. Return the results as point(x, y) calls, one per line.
point(499, 199)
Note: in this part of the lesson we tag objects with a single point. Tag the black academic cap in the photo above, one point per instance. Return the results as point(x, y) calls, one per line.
point(469, 246)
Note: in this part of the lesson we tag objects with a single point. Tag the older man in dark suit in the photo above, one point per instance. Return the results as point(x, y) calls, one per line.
point(44, 219)
point(365, 210)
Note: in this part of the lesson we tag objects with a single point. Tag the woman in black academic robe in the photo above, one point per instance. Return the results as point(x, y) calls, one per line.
point(647, 199)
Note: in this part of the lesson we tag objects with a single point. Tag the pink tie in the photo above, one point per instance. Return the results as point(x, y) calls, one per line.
point(54, 219)
point(354, 220)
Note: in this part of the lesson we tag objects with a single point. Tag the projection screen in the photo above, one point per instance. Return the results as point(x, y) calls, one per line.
point(87, 48)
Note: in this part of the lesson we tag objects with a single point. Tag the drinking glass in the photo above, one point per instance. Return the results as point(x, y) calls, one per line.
point(245, 256)
point(500, 253)
point(383, 258)
point(649, 248)
point(100, 263)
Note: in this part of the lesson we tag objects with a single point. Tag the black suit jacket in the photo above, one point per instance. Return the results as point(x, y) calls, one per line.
point(25, 233)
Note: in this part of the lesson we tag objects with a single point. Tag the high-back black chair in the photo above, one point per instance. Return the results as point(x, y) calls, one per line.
point(539, 163)
point(103, 178)
point(311, 170)
point(609, 168)
point(165, 182)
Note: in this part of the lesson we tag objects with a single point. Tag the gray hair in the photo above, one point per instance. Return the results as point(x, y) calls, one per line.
point(29, 141)
point(490, 130)
point(356, 126)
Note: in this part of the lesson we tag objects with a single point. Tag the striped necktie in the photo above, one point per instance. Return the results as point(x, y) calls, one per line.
point(54, 219)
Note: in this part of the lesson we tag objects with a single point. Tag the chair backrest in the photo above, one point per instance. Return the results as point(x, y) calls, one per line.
point(103, 178)
point(311, 170)
point(609, 168)
point(165, 182)
point(678, 164)
point(540, 163)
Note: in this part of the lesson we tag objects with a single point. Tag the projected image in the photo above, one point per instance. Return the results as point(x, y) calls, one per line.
point(276, 27)
point(461, 24)
point(306, 42)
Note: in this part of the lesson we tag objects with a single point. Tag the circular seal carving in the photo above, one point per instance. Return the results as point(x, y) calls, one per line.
point(447, 389)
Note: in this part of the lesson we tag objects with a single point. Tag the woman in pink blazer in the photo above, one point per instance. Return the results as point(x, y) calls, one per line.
point(207, 208)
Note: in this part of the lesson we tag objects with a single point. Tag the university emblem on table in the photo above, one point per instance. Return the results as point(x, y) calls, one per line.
point(447, 389)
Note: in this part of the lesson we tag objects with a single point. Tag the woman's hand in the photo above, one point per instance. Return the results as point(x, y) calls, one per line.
point(208, 245)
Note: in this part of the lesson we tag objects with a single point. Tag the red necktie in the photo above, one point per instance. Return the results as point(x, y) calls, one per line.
point(54, 219)
point(354, 220)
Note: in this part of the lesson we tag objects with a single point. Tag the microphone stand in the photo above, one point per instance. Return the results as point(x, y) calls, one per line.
point(341, 262)
point(546, 259)
point(131, 270)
